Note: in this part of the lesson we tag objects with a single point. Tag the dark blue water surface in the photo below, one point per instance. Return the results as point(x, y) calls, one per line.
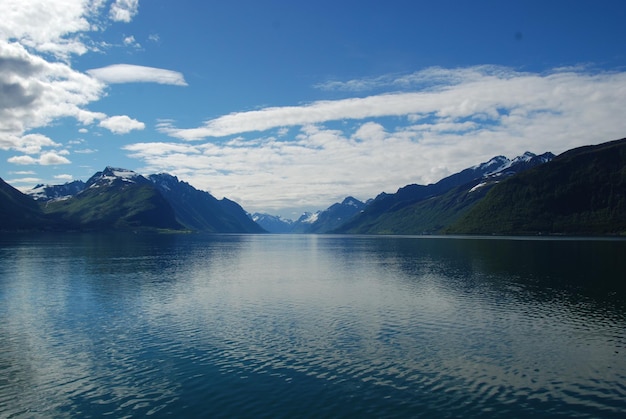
point(311, 326)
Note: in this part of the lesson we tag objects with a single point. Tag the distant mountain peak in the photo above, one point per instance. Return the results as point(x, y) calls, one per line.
point(111, 175)
point(352, 202)
point(42, 192)
point(308, 217)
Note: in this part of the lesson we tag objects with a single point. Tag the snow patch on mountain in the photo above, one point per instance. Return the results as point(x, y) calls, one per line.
point(111, 174)
point(309, 218)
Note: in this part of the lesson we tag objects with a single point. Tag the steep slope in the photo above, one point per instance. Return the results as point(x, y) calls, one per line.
point(419, 209)
point(428, 216)
point(582, 191)
point(200, 211)
point(115, 199)
point(20, 212)
point(48, 192)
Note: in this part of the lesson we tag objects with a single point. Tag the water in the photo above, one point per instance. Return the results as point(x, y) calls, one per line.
point(311, 326)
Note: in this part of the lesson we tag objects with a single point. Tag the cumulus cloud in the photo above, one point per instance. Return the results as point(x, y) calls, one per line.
point(38, 84)
point(48, 26)
point(124, 10)
point(121, 124)
point(45, 159)
point(127, 73)
point(130, 41)
point(35, 92)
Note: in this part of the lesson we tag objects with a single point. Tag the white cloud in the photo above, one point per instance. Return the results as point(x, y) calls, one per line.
point(127, 73)
point(48, 26)
point(384, 142)
point(422, 80)
point(45, 159)
point(64, 177)
point(38, 85)
point(130, 41)
point(124, 10)
point(27, 180)
point(85, 151)
point(23, 172)
point(475, 93)
point(29, 144)
point(121, 124)
point(36, 92)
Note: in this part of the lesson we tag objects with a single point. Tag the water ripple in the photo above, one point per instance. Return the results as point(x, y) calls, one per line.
point(308, 327)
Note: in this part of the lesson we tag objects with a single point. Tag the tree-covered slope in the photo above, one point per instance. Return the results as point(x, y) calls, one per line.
point(582, 191)
point(419, 209)
point(429, 216)
point(115, 199)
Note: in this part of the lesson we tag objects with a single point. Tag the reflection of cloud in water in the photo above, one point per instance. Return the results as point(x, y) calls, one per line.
point(60, 357)
point(183, 321)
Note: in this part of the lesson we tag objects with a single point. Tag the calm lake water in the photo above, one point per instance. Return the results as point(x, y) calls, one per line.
point(311, 326)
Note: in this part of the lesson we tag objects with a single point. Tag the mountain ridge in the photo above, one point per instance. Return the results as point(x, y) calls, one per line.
point(581, 191)
point(427, 209)
point(121, 199)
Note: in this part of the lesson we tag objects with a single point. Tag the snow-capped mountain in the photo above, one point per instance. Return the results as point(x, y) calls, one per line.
point(504, 166)
point(385, 212)
point(114, 176)
point(336, 215)
point(43, 192)
point(273, 223)
point(194, 209)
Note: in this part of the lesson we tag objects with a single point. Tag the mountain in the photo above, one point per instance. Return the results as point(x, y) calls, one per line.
point(200, 211)
point(332, 217)
point(273, 223)
point(121, 199)
point(48, 192)
point(305, 222)
point(116, 199)
point(312, 223)
point(582, 191)
point(21, 212)
point(427, 209)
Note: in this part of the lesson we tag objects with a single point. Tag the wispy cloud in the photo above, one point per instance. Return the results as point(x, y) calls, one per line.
point(454, 95)
point(423, 80)
point(121, 124)
point(124, 10)
point(64, 177)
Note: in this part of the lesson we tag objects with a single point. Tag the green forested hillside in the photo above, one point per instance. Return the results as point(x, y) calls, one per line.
point(128, 207)
point(582, 191)
point(428, 216)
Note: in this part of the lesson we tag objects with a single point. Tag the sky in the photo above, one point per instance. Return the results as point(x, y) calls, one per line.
point(286, 106)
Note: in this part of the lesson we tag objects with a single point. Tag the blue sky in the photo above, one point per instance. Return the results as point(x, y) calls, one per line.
point(289, 106)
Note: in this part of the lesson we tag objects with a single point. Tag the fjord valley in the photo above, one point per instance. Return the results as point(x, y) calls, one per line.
point(580, 192)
